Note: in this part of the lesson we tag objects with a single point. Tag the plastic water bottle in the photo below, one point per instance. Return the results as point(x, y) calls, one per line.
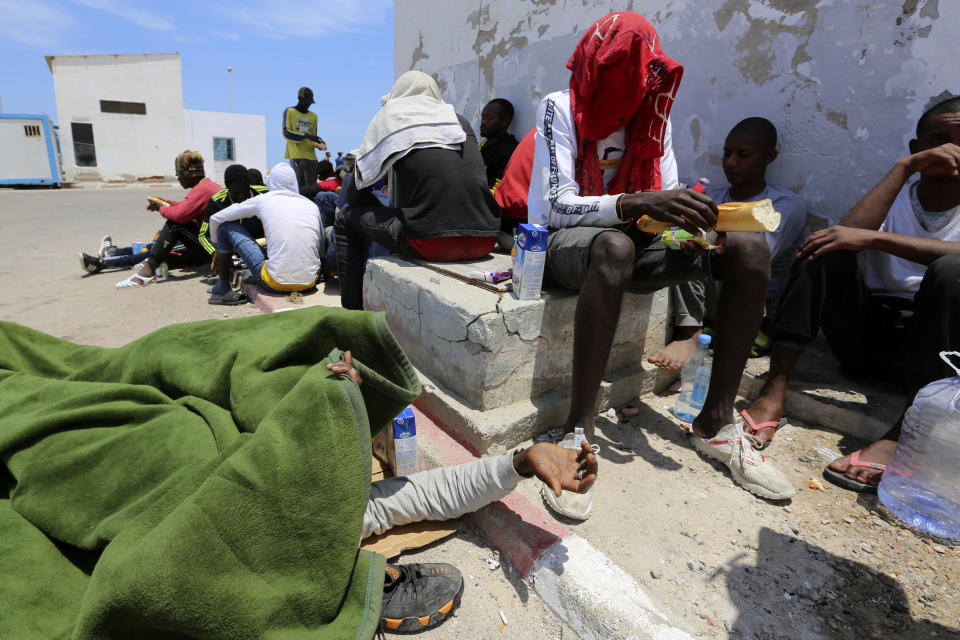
point(694, 381)
point(920, 485)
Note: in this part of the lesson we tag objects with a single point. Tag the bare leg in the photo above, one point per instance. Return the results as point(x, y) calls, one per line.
point(224, 273)
point(744, 267)
point(768, 407)
point(673, 356)
point(147, 270)
point(598, 311)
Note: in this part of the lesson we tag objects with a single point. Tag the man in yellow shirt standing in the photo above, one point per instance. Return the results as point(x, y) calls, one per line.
point(300, 130)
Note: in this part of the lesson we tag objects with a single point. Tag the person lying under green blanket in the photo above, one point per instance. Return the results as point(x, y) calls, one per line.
point(212, 480)
point(419, 596)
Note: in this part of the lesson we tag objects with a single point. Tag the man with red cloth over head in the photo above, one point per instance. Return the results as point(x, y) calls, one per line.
point(602, 159)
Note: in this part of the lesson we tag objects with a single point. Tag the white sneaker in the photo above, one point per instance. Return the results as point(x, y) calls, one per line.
point(105, 244)
point(750, 469)
point(578, 506)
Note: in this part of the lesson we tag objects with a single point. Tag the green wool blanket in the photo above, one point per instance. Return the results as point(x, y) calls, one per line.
point(205, 481)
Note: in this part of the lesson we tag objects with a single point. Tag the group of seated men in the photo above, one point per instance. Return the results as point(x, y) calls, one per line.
point(212, 224)
point(600, 157)
point(588, 170)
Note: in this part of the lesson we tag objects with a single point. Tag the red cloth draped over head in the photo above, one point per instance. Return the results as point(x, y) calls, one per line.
point(620, 77)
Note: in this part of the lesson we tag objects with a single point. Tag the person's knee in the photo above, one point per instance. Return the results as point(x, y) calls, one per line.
point(224, 239)
point(751, 253)
point(612, 256)
point(944, 274)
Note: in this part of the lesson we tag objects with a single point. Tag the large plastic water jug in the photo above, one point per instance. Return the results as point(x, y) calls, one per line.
point(921, 485)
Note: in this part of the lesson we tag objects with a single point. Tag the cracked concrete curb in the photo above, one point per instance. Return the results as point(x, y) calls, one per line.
point(595, 597)
point(582, 585)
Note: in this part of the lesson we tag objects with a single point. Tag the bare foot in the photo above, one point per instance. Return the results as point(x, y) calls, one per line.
point(880, 452)
point(672, 356)
point(764, 409)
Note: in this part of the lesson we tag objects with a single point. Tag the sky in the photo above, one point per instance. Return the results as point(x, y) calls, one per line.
point(342, 50)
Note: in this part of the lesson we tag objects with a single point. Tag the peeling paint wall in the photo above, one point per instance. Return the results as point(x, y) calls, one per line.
point(844, 81)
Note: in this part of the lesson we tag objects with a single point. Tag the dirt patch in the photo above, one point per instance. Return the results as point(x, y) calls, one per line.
point(723, 563)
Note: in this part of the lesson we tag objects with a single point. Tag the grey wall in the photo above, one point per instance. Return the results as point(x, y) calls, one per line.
point(843, 80)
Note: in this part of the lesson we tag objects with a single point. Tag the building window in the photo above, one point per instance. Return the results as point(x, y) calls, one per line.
point(115, 106)
point(31, 130)
point(223, 150)
point(84, 155)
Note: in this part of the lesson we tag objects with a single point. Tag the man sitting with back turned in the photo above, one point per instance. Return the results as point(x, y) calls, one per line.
point(603, 158)
point(891, 315)
point(291, 225)
point(440, 206)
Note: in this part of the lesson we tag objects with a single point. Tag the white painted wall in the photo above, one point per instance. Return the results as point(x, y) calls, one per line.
point(844, 81)
point(127, 146)
point(248, 131)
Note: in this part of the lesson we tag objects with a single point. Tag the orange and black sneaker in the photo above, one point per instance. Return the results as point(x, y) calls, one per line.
point(419, 596)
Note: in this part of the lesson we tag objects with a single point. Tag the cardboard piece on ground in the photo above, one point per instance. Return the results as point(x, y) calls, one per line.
point(409, 536)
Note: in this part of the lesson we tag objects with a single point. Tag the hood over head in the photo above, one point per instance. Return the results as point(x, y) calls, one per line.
point(620, 77)
point(282, 177)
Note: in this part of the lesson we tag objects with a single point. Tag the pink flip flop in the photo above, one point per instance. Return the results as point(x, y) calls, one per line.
point(840, 478)
point(763, 425)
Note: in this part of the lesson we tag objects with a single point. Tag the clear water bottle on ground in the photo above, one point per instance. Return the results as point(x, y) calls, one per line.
point(694, 381)
point(921, 484)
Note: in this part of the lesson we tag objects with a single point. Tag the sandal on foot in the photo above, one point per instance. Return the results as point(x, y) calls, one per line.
point(840, 479)
point(136, 281)
point(754, 427)
point(231, 298)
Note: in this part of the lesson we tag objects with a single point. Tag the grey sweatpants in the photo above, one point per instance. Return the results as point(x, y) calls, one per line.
point(438, 494)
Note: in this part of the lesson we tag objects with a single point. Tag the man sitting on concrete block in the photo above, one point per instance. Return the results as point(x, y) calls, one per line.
point(603, 158)
point(891, 315)
point(440, 206)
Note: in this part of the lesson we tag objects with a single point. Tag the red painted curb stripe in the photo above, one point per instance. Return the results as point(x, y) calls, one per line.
point(266, 302)
point(518, 528)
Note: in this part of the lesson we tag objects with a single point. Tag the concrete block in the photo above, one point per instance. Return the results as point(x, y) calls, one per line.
point(447, 310)
point(495, 353)
point(523, 317)
point(501, 429)
point(489, 331)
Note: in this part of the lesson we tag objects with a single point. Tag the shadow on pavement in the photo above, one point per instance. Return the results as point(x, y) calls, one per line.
point(819, 595)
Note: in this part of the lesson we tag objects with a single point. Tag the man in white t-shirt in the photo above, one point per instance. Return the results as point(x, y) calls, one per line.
point(892, 313)
point(603, 159)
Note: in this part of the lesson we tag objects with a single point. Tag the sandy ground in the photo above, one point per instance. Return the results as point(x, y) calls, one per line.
point(42, 286)
point(828, 563)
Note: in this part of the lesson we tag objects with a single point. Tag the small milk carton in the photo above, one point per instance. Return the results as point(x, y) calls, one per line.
point(397, 444)
point(529, 261)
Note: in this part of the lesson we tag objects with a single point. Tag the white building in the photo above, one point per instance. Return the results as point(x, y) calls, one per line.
point(121, 118)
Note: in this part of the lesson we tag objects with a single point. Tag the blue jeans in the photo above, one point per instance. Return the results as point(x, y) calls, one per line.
point(326, 201)
point(233, 236)
point(125, 257)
